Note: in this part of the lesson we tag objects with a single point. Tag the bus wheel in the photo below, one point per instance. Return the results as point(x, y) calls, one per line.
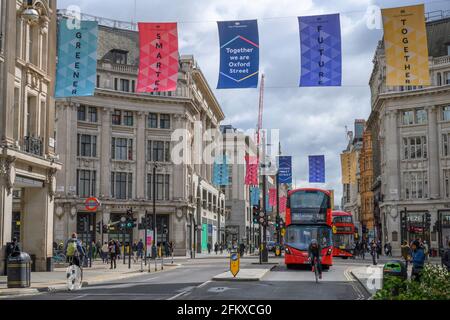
point(345, 258)
point(290, 266)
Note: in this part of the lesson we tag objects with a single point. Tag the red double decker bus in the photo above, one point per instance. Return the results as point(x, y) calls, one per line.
point(343, 234)
point(308, 217)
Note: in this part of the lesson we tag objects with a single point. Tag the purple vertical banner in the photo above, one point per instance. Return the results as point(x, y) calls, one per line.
point(321, 51)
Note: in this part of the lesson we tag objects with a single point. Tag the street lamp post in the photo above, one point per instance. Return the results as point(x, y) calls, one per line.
point(154, 249)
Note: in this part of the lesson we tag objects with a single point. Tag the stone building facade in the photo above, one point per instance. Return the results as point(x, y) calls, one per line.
point(110, 143)
point(27, 156)
point(410, 129)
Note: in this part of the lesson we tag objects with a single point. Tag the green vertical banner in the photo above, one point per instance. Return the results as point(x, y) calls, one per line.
point(204, 237)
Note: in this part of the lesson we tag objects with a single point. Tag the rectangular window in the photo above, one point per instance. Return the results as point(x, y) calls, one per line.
point(121, 185)
point(98, 81)
point(128, 118)
point(162, 187)
point(117, 118)
point(408, 117)
point(87, 145)
point(164, 121)
point(122, 149)
point(153, 120)
point(133, 85)
point(81, 113)
point(125, 85)
point(447, 183)
point(159, 187)
point(86, 183)
point(421, 116)
point(416, 185)
point(415, 148)
point(167, 152)
point(158, 151)
point(447, 78)
point(445, 144)
point(116, 84)
point(93, 117)
point(446, 113)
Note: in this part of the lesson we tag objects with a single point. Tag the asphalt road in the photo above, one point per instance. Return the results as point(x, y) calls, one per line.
point(192, 281)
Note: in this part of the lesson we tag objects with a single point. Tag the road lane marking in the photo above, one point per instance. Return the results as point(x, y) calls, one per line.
point(178, 295)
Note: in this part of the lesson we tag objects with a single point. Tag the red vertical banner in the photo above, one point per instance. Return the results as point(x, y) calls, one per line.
point(251, 177)
point(273, 197)
point(283, 203)
point(158, 65)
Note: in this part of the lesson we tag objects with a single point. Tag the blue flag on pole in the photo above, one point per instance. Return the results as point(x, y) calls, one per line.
point(269, 208)
point(220, 176)
point(76, 73)
point(317, 169)
point(239, 54)
point(285, 169)
point(254, 195)
point(321, 51)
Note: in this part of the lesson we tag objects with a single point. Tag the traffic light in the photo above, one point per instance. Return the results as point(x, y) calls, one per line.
point(255, 214)
point(428, 219)
point(277, 222)
point(99, 227)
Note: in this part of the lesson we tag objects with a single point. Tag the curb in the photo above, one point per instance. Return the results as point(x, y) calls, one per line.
point(245, 279)
point(362, 285)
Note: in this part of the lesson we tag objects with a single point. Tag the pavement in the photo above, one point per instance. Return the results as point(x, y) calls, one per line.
point(99, 272)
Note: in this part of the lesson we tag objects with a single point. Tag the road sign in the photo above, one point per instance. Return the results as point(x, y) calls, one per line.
point(234, 263)
point(283, 232)
point(92, 204)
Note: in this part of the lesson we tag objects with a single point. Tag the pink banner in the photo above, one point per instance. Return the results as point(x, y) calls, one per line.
point(283, 203)
point(158, 66)
point(273, 197)
point(251, 177)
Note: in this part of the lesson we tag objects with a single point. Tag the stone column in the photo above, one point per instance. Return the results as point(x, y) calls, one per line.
point(433, 153)
point(38, 224)
point(141, 147)
point(7, 177)
point(105, 156)
point(179, 232)
point(392, 156)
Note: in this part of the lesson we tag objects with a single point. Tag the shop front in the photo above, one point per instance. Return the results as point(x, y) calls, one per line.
point(444, 229)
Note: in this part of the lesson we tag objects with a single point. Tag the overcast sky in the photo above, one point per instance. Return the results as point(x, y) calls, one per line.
point(312, 120)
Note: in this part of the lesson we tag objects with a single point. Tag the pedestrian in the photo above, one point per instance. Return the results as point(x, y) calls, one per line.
point(446, 258)
point(426, 249)
point(242, 249)
point(113, 251)
point(140, 249)
point(105, 252)
point(167, 249)
point(389, 250)
point(98, 251)
point(93, 250)
point(221, 248)
point(373, 252)
point(171, 248)
point(209, 248)
point(406, 253)
point(379, 250)
point(135, 250)
point(13, 248)
point(216, 248)
point(418, 260)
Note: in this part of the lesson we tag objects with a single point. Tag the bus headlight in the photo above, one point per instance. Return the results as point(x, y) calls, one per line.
point(329, 252)
point(286, 250)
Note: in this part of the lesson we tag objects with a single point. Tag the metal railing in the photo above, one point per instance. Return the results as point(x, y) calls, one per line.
point(33, 145)
point(117, 24)
point(437, 15)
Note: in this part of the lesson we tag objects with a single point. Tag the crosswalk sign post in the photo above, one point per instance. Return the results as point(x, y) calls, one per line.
point(234, 263)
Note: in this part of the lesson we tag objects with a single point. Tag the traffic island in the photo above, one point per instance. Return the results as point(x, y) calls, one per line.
point(243, 275)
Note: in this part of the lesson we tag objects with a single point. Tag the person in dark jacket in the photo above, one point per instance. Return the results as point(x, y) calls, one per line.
point(446, 258)
point(418, 260)
point(314, 251)
point(374, 252)
point(13, 248)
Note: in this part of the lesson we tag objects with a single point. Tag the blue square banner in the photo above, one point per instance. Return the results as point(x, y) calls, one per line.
point(239, 54)
point(321, 51)
point(76, 73)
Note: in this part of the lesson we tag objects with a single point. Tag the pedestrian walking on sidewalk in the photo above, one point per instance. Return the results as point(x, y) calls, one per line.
point(426, 249)
point(418, 260)
point(113, 251)
point(221, 248)
point(98, 247)
point(373, 252)
point(134, 251)
point(140, 249)
point(216, 248)
point(406, 253)
point(105, 252)
point(209, 248)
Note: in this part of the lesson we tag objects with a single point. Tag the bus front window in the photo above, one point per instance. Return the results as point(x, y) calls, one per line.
point(300, 237)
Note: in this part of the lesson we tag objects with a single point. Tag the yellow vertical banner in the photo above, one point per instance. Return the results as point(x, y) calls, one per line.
point(406, 46)
point(345, 165)
point(353, 167)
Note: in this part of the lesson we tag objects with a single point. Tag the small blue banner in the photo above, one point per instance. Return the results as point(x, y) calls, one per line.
point(220, 176)
point(76, 73)
point(269, 208)
point(254, 195)
point(321, 51)
point(317, 169)
point(239, 54)
point(285, 169)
